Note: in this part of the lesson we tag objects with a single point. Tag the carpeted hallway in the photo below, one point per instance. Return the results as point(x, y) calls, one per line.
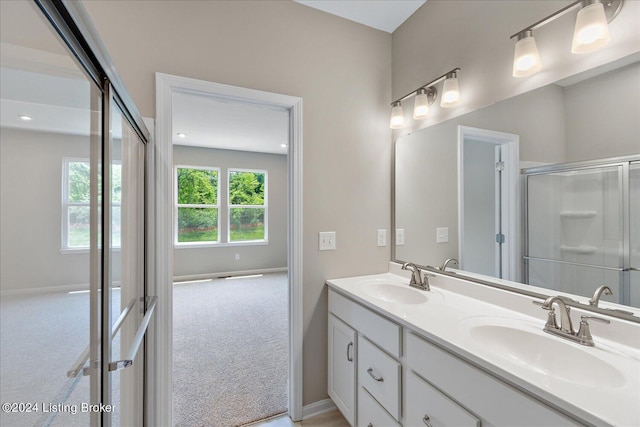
point(230, 350)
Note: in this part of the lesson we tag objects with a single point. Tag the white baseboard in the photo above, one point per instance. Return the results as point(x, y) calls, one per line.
point(317, 408)
point(50, 289)
point(209, 276)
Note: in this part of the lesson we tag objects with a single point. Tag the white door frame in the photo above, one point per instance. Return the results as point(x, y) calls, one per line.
point(510, 200)
point(166, 86)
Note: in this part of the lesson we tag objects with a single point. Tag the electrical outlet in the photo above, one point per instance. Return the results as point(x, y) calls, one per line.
point(399, 236)
point(237, 257)
point(382, 237)
point(327, 240)
point(442, 235)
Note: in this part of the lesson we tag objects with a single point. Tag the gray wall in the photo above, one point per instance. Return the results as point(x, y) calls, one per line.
point(31, 211)
point(603, 115)
point(341, 69)
point(213, 260)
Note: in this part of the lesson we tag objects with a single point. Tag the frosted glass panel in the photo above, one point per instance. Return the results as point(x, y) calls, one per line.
point(574, 279)
point(634, 205)
point(576, 216)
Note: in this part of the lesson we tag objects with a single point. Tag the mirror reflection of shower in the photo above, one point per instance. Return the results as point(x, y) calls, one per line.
point(582, 227)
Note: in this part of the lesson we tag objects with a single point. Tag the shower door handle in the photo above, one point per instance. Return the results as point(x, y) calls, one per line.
point(137, 339)
point(78, 366)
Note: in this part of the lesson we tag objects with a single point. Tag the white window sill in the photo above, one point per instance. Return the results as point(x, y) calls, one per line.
point(220, 245)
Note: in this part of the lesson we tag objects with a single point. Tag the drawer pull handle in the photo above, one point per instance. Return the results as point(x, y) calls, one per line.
point(349, 358)
point(370, 372)
point(426, 420)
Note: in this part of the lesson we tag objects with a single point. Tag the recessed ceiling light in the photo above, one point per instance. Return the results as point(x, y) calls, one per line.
point(283, 145)
point(25, 117)
point(182, 135)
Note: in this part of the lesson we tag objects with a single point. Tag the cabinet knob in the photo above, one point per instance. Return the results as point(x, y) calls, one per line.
point(370, 372)
point(427, 421)
point(349, 358)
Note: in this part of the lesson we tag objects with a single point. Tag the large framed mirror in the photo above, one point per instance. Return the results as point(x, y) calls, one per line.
point(540, 189)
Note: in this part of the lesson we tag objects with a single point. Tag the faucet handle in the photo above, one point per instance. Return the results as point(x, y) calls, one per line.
point(584, 318)
point(584, 333)
point(552, 323)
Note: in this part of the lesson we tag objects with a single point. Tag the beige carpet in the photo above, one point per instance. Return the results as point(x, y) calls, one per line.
point(230, 350)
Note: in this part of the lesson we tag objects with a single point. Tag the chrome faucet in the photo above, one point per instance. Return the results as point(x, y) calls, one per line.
point(416, 278)
point(605, 290)
point(565, 318)
point(602, 290)
point(565, 330)
point(444, 265)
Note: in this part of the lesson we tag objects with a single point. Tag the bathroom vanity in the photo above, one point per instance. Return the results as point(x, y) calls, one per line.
point(464, 354)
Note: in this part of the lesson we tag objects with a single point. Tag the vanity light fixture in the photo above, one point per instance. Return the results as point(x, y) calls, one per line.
point(590, 34)
point(425, 96)
point(397, 115)
point(592, 29)
point(450, 91)
point(526, 59)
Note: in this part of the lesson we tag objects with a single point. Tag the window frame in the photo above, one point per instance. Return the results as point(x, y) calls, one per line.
point(176, 206)
point(264, 206)
point(66, 204)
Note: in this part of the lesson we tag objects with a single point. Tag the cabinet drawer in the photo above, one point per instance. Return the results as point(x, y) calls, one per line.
point(379, 374)
point(426, 404)
point(371, 414)
point(376, 328)
point(495, 401)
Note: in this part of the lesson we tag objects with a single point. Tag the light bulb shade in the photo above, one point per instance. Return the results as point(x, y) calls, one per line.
point(591, 31)
point(397, 116)
point(421, 106)
point(526, 59)
point(450, 93)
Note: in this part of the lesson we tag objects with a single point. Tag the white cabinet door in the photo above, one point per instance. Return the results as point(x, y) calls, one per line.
point(427, 406)
point(342, 369)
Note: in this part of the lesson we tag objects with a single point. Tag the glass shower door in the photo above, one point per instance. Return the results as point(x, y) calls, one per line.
point(50, 273)
point(127, 274)
point(634, 235)
point(575, 230)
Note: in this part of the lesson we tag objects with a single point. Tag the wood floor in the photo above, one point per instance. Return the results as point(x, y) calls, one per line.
point(328, 419)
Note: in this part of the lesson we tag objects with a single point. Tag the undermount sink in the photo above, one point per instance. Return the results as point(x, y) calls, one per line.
point(393, 292)
point(522, 344)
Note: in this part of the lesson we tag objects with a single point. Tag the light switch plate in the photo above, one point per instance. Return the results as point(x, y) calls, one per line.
point(399, 236)
point(442, 235)
point(327, 240)
point(382, 237)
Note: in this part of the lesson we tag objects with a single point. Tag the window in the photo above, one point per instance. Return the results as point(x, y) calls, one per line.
point(196, 204)
point(76, 204)
point(247, 205)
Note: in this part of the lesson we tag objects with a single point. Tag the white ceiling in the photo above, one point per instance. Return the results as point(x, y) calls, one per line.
point(229, 124)
point(385, 15)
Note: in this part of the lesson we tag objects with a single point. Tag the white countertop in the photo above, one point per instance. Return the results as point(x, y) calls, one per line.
point(449, 313)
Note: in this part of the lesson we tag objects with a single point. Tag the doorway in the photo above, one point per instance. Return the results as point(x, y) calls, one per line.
point(168, 89)
point(488, 169)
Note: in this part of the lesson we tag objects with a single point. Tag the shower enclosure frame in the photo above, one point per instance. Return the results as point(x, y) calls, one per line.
point(71, 22)
point(624, 163)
